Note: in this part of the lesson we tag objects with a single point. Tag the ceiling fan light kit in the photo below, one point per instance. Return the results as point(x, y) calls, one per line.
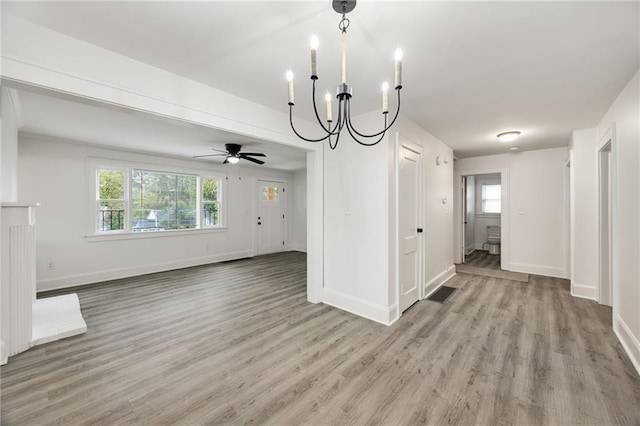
point(344, 92)
point(233, 154)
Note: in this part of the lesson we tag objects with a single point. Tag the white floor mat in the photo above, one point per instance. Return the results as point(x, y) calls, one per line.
point(57, 317)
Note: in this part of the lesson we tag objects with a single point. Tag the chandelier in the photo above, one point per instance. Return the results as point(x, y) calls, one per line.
point(344, 92)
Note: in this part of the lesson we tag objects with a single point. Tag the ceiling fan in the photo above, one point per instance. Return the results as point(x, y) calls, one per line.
point(232, 154)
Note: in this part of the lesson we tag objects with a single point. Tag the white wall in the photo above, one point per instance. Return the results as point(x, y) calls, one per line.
point(55, 174)
point(9, 145)
point(584, 213)
point(537, 205)
point(356, 223)
point(625, 113)
point(299, 226)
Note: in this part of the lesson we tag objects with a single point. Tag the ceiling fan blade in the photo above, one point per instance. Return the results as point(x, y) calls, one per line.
point(251, 159)
point(208, 155)
point(219, 150)
point(253, 154)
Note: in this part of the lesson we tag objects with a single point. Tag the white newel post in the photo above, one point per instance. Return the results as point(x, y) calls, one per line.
point(18, 285)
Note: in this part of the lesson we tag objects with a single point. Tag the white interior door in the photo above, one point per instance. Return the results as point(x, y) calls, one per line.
point(271, 216)
point(409, 219)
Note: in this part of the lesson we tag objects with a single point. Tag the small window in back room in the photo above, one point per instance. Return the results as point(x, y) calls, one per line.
point(491, 199)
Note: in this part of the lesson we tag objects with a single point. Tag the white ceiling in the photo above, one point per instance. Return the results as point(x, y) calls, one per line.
point(136, 131)
point(472, 69)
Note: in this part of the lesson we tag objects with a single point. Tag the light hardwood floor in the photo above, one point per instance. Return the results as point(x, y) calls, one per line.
point(237, 343)
point(482, 259)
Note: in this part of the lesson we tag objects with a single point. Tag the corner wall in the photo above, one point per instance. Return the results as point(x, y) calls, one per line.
point(584, 213)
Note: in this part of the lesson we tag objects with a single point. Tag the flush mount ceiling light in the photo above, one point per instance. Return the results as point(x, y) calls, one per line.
point(508, 136)
point(344, 92)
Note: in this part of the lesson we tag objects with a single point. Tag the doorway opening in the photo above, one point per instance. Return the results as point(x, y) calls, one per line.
point(482, 220)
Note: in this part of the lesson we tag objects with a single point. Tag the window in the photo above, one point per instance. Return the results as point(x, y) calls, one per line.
point(210, 202)
point(110, 200)
point(162, 201)
point(491, 199)
point(270, 193)
point(135, 200)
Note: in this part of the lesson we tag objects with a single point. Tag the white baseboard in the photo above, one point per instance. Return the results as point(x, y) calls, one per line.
point(548, 271)
point(114, 274)
point(372, 311)
point(298, 247)
point(439, 280)
point(3, 353)
point(629, 342)
point(583, 291)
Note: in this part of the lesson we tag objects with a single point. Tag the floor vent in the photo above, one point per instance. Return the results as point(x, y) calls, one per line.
point(441, 294)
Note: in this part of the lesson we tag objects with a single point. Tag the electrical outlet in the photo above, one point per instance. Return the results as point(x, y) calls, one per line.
point(50, 266)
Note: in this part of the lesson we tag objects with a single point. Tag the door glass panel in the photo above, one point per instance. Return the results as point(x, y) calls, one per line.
point(270, 193)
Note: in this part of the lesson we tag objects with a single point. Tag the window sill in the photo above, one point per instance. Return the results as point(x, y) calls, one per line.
point(156, 234)
point(489, 215)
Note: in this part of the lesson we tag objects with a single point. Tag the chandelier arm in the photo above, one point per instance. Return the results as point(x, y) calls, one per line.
point(315, 109)
point(298, 134)
point(383, 131)
point(341, 123)
point(355, 138)
point(339, 126)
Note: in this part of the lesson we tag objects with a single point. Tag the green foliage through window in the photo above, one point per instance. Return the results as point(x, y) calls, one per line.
point(155, 201)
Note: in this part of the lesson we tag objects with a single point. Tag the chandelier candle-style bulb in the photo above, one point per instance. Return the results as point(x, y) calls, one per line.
point(398, 57)
point(327, 98)
point(314, 56)
point(385, 97)
point(290, 86)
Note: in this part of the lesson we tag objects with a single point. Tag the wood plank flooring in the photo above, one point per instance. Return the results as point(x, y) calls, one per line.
point(237, 343)
point(482, 259)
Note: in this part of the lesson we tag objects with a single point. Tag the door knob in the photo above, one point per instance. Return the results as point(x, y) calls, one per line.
point(419, 230)
point(259, 223)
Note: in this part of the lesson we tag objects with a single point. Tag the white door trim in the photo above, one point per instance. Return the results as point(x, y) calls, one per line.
point(607, 144)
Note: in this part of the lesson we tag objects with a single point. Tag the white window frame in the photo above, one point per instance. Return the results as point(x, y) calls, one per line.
point(98, 200)
point(483, 199)
point(93, 232)
point(201, 201)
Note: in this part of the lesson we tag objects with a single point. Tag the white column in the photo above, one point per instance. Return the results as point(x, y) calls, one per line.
point(18, 287)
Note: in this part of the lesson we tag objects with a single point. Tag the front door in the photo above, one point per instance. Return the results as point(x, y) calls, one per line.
point(271, 216)
point(409, 226)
